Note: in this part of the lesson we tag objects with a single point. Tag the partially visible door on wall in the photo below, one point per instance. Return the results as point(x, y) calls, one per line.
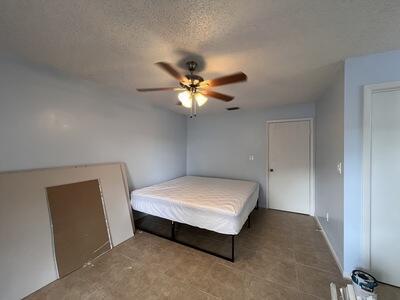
point(79, 225)
point(289, 166)
point(384, 186)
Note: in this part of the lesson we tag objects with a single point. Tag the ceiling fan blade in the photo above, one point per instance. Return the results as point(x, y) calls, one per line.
point(159, 89)
point(170, 70)
point(237, 77)
point(217, 95)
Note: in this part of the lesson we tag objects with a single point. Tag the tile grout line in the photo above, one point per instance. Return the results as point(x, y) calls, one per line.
point(198, 288)
point(259, 277)
point(173, 277)
point(316, 268)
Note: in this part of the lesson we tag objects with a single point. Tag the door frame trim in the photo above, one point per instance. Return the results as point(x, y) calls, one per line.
point(366, 166)
point(312, 163)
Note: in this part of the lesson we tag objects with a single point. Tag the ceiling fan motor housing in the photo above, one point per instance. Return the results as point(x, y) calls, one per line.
point(194, 78)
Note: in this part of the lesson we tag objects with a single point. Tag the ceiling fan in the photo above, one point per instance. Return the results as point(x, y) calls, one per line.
point(193, 89)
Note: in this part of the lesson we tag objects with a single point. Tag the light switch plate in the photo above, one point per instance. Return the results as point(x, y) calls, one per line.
point(339, 167)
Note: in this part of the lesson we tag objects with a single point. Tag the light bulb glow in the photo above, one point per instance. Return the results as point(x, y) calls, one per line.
point(185, 98)
point(200, 99)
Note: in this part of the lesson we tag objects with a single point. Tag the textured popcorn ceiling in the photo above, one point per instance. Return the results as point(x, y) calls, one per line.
point(290, 49)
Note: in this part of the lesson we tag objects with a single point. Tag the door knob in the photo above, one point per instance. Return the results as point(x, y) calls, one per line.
point(271, 170)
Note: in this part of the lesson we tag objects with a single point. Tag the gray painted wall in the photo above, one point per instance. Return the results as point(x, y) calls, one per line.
point(48, 119)
point(329, 132)
point(359, 71)
point(220, 144)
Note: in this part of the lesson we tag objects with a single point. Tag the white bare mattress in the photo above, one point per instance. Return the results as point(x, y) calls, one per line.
point(220, 205)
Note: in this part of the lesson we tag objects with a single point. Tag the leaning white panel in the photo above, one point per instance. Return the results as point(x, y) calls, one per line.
point(26, 260)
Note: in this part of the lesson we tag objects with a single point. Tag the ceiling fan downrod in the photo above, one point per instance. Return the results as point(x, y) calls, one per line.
point(192, 65)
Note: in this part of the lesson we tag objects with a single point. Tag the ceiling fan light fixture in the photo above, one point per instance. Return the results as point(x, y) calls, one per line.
point(185, 98)
point(200, 99)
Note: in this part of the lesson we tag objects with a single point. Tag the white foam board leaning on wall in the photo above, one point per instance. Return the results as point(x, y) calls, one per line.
point(27, 260)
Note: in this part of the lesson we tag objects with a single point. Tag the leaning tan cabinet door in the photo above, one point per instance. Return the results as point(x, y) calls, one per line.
point(79, 224)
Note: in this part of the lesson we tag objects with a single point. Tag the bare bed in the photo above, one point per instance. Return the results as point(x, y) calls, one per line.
point(216, 204)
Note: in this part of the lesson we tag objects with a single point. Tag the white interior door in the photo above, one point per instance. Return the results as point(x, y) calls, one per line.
point(385, 187)
point(289, 166)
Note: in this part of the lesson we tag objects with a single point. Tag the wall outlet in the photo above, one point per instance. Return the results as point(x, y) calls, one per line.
point(327, 217)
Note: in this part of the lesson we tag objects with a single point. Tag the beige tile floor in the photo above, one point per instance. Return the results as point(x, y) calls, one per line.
point(282, 256)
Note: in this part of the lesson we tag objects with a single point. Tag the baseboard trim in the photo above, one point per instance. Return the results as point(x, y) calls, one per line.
point(331, 249)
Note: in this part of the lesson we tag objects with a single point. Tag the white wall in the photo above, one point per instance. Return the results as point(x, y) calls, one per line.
point(359, 71)
point(48, 119)
point(220, 144)
point(329, 114)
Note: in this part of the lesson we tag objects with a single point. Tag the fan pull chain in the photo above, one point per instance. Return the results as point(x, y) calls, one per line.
point(194, 104)
point(191, 109)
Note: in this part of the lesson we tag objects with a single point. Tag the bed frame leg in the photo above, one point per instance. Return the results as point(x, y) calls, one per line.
point(233, 249)
point(173, 231)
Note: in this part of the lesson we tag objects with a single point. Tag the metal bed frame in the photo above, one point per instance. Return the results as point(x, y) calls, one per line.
point(173, 239)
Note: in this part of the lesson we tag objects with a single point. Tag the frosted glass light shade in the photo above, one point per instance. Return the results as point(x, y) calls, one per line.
point(200, 99)
point(185, 98)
